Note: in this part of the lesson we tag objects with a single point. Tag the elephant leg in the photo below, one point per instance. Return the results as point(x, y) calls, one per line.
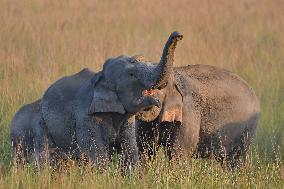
point(129, 149)
point(238, 153)
point(167, 137)
point(41, 154)
point(90, 141)
point(233, 153)
point(19, 152)
point(92, 150)
point(23, 146)
point(146, 139)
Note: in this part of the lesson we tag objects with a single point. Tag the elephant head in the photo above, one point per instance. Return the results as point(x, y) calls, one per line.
point(124, 83)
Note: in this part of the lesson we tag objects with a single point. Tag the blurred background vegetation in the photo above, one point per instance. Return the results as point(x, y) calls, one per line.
point(43, 40)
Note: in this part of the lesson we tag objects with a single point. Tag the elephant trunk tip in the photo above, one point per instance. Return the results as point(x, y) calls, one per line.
point(176, 36)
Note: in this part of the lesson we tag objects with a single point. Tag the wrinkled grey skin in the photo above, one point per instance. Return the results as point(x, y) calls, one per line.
point(28, 135)
point(206, 111)
point(93, 113)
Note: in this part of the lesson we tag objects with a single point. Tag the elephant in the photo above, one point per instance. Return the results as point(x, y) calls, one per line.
point(28, 135)
point(206, 112)
point(93, 114)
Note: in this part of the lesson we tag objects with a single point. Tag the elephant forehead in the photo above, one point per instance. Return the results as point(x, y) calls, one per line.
point(139, 58)
point(144, 67)
point(141, 62)
point(116, 66)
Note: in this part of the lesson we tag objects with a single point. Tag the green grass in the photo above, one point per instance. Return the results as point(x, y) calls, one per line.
point(40, 41)
point(156, 174)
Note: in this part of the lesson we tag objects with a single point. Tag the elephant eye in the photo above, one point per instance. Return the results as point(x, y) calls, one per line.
point(132, 74)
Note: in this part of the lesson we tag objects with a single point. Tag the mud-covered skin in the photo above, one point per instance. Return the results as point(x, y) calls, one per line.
point(28, 135)
point(220, 112)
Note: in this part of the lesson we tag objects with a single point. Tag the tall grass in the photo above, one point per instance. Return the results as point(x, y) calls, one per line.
point(42, 40)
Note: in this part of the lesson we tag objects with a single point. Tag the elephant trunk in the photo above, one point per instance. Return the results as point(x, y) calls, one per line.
point(164, 69)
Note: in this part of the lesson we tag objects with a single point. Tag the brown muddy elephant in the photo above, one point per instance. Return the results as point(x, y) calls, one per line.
point(206, 112)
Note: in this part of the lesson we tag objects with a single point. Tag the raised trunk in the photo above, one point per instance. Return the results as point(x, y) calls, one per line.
point(163, 71)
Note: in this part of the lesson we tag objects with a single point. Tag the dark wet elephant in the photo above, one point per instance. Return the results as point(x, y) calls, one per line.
point(206, 111)
point(93, 114)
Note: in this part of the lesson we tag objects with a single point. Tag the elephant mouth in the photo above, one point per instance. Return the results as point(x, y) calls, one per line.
point(151, 112)
point(148, 114)
point(149, 92)
point(146, 101)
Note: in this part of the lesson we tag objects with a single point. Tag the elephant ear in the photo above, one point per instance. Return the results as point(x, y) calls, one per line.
point(178, 102)
point(104, 99)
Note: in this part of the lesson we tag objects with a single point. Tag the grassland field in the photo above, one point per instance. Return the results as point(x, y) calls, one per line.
point(43, 40)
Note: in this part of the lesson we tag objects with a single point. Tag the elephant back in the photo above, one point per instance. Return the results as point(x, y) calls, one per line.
point(224, 98)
